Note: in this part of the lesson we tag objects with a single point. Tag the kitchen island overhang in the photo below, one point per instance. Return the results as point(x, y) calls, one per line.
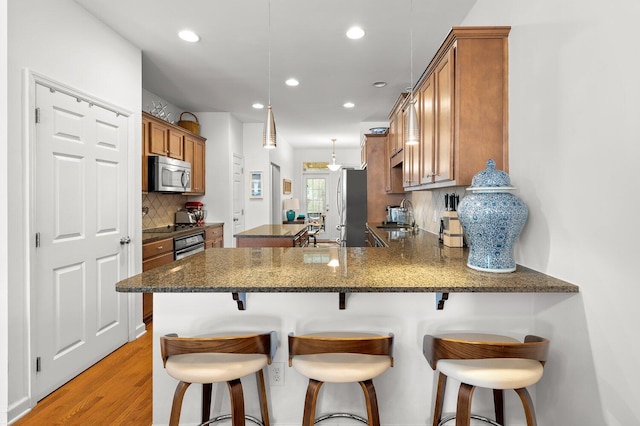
point(415, 264)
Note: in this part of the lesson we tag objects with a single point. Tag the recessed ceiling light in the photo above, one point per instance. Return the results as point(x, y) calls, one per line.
point(349, 105)
point(188, 35)
point(292, 82)
point(355, 33)
point(258, 105)
point(379, 84)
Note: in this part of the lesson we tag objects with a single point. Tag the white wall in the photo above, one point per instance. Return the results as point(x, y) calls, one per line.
point(257, 158)
point(57, 39)
point(224, 138)
point(574, 150)
point(4, 306)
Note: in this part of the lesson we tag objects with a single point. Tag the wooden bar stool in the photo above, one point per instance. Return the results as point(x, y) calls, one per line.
point(487, 361)
point(217, 359)
point(341, 357)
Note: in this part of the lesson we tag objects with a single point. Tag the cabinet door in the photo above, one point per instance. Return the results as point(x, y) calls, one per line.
point(176, 144)
point(198, 173)
point(158, 139)
point(214, 237)
point(427, 129)
point(444, 102)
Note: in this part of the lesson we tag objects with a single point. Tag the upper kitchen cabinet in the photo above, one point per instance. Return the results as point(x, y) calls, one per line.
point(162, 138)
point(194, 153)
point(463, 109)
point(165, 140)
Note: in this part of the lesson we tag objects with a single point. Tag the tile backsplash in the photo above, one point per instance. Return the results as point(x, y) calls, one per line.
point(429, 205)
point(161, 209)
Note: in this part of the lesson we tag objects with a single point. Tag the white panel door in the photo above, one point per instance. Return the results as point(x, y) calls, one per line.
point(238, 194)
point(80, 216)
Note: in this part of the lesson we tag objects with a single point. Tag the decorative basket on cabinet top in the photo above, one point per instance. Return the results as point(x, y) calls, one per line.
point(192, 126)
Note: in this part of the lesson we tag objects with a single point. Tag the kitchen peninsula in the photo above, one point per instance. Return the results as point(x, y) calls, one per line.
point(412, 262)
point(293, 290)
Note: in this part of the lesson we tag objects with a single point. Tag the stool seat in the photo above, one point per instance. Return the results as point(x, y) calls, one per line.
point(496, 373)
point(214, 367)
point(341, 368)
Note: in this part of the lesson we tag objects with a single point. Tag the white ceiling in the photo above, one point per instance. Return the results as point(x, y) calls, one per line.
point(227, 70)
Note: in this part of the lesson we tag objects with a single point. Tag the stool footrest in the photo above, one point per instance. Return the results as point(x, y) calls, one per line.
point(228, 416)
point(341, 415)
point(473, 416)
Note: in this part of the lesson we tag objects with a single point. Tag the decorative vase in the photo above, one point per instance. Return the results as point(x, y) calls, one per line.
point(492, 219)
point(291, 214)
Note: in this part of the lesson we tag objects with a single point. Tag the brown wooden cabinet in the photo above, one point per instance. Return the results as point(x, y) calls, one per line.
point(377, 172)
point(154, 254)
point(162, 138)
point(214, 237)
point(463, 110)
point(194, 153)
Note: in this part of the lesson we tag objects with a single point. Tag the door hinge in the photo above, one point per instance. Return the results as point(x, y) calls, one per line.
point(37, 115)
point(37, 239)
point(38, 364)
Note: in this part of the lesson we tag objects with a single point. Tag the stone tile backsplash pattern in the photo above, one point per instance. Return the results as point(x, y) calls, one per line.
point(429, 205)
point(162, 209)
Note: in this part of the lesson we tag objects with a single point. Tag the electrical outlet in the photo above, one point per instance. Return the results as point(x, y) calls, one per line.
point(276, 373)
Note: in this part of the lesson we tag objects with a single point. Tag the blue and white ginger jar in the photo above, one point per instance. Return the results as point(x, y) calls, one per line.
point(492, 219)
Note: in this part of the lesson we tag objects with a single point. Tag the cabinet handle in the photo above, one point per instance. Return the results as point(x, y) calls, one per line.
point(159, 247)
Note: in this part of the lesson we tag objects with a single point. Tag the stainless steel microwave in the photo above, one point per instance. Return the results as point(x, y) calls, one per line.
point(169, 175)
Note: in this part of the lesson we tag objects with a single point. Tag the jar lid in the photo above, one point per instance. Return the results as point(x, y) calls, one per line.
point(490, 177)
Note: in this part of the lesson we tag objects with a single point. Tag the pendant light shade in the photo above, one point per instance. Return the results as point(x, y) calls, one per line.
point(269, 137)
point(411, 130)
point(333, 166)
point(269, 133)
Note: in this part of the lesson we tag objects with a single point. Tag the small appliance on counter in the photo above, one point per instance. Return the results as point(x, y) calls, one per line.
point(198, 211)
point(184, 217)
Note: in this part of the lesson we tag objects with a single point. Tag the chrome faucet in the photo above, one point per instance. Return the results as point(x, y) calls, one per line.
point(407, 207)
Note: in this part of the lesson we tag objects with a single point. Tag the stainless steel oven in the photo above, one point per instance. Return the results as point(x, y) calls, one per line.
point(188, 245)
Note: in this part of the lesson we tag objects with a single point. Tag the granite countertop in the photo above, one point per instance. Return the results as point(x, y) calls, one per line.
point(164, 232)
point(412, 263)
point(273, 231)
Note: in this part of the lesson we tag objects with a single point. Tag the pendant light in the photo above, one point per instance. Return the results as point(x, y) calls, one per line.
point(333, 166)
point(269, 133)
point(411, 130)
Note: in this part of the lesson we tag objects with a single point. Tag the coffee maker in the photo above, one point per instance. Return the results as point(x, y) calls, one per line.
point(198, 211)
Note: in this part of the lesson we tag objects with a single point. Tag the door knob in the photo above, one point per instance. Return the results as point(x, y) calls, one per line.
point(125, 240)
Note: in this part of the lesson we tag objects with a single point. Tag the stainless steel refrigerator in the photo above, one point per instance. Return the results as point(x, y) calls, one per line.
point(352, 207)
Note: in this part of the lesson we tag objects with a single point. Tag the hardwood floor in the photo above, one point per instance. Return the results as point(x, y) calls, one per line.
point(115, 391)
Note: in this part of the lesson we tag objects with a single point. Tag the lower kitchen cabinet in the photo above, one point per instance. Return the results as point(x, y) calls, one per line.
point(214, 237)
point(154, 254)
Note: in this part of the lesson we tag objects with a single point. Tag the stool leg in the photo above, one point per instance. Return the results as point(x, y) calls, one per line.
point(206, 401)
point(310, 402)
point(174, 419)
point(529, 411)
point(373, 414)
point(463, 410)
point(262, 395)
point(437, 411)
point(237, 402)
point(498, 404)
